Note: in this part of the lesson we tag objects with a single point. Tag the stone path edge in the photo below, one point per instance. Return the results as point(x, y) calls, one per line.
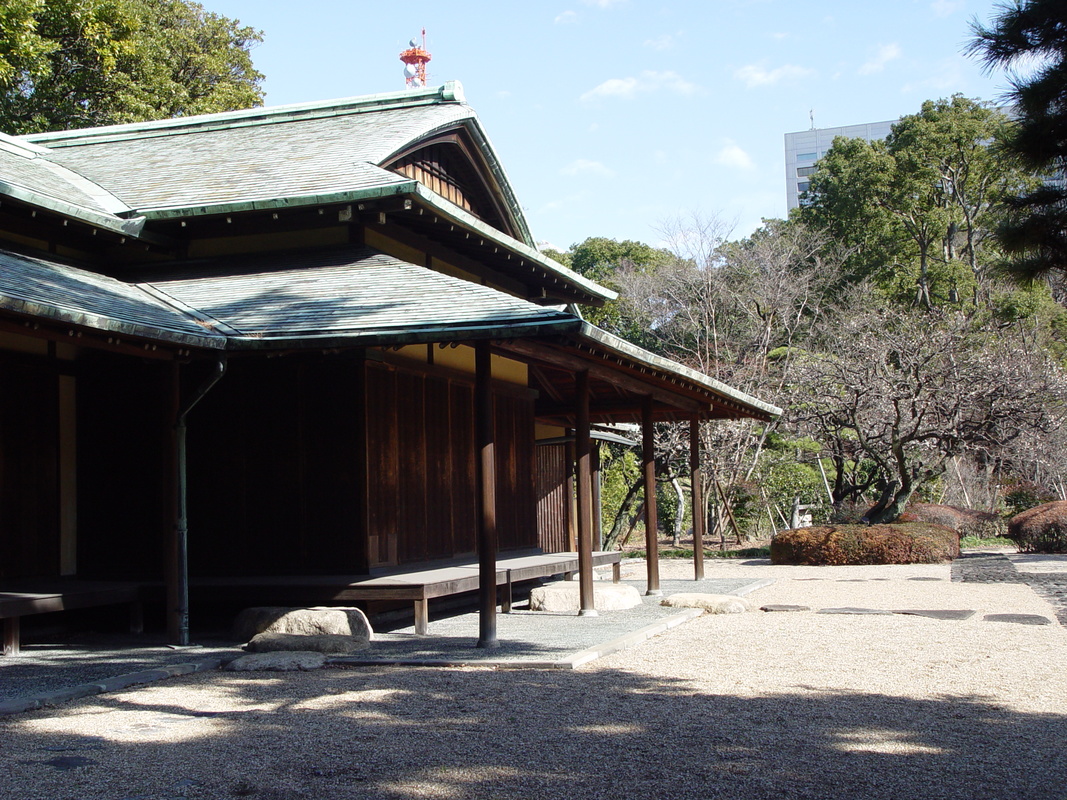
point(574, 661)
point(117, 683)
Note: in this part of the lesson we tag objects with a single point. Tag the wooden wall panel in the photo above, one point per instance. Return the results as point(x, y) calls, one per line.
point(553, 505)
point(464, 512)
point(123, 461)
point(382, 465)
point(439, 488)
point(411, 447)
point(29, 493)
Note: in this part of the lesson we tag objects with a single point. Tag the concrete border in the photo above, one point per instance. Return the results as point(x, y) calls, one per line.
point(117, 683)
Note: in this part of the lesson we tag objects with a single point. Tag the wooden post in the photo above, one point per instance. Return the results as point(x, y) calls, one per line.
point(696, 491)
point(583, 450)
point(172, 566)
point(485, 486)
point(598, 521)
point(648, 457)
point(570, 515)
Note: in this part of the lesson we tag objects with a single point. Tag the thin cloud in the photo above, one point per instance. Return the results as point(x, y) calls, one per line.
point(566, 18)
point(758, 75)
point(946, 8)
point(664, 42)
point(733, 156)
point(603, 3)
point(648, 82)
point(943, 77)
point(582, 166)
point(885, 54)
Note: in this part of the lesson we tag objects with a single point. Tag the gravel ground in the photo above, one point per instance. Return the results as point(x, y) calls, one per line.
point(757, 705)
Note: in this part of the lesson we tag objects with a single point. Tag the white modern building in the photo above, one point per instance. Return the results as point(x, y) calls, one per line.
point(804, 148)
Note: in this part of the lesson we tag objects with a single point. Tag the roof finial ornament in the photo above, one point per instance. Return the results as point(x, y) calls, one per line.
point(415, 59)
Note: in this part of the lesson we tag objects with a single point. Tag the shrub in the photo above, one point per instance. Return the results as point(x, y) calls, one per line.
point(1041, 530)
point(965, 521)
point(1025, 495)
point(898, 543)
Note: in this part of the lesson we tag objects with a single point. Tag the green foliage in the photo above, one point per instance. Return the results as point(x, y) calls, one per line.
point(915, 210)
point(1032, 35)
point(973, 542)
point(913, 543)
point(601, 259)
point(619, 468)
point(1023, 495)
point(83, 63)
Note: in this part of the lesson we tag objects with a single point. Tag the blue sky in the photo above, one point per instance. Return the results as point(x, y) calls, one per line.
point(613, 117)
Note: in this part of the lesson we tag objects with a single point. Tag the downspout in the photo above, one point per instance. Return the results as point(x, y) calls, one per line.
point(183, 520)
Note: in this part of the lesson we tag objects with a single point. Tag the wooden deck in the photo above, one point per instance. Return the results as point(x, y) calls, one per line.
point(23, 598)
point(425, 582)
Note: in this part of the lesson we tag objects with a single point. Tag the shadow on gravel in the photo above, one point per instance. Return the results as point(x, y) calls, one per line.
point(401, 733)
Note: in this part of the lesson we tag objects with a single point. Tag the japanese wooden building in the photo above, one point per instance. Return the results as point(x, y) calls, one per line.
point(319, 337)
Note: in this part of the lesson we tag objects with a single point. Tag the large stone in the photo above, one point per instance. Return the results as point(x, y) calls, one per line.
point(564, 597)
point(710, 603)
point(320, 620)
point(329, 643)
point(290, 661)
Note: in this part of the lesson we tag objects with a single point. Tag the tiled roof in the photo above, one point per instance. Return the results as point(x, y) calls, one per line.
point(49, 290)
point(351, 294)
point(357, 291)
point(283, 157)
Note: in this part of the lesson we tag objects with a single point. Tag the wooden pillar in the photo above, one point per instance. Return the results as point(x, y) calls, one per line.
point(648, 457)
point(172, 564)
point(696, 483)
point(598, 521)
point(485, 486)
point(584, 454)
point(570, 514)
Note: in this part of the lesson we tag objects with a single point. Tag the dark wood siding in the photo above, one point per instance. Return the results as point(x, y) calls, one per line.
point(553, 504)
point(124, 463)
point(273, 472)
point(29, 494)
point(422, 465)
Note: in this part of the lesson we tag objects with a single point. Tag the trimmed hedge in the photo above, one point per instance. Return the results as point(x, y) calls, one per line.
point(1042, 529)
point(965, 521)
point(897, 543)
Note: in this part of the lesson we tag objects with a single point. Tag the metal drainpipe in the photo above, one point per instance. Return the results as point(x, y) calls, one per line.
point(183, 521)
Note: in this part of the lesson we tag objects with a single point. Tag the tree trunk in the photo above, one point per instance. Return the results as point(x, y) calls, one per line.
point(679, 514)
point(623, 519)
point(891, 504)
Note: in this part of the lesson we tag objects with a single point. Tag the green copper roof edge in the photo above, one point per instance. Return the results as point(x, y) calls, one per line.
point(98, 322)
point(468, 220)
point(406, 336)
point(497, 168)
point(127, 226)
point(402, 186)
point(450, 92)
point(473, 126)
point(644, 357)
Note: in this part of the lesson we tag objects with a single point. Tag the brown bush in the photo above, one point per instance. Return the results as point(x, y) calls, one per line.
point(1042, 529)
point(907, 543)
point(965, 521)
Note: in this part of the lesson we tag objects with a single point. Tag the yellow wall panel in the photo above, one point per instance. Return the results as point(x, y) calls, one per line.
point(261, 242)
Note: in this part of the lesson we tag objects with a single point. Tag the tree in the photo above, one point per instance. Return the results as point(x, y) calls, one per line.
point(913, 390)
point(1032, 35)
point(83, 63)
point(916, 209)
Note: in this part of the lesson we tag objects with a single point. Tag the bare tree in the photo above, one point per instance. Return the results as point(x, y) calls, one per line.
point(914, 391)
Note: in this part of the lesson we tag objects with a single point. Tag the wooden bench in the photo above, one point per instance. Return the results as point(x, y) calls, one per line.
point(421, 583)
point(21, 598)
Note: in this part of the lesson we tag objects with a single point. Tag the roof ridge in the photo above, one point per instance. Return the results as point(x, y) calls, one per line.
point(449, 92)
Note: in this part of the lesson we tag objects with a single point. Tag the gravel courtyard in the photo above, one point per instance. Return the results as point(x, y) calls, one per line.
point(757, 705)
